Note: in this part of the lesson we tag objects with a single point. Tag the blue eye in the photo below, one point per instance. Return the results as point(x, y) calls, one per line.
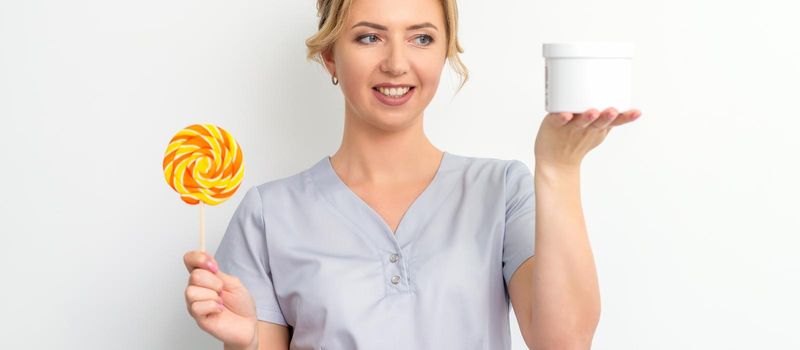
point(365, 36)
point(429, 38)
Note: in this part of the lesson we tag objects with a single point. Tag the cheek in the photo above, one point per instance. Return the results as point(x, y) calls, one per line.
point(353, 79)
point(359, 71)
point(429, 75)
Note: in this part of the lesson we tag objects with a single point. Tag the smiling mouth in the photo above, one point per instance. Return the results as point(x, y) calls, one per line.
point(394, 92)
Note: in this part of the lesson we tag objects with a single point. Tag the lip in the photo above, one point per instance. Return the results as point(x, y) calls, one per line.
point(389, 85)
point(391, 101)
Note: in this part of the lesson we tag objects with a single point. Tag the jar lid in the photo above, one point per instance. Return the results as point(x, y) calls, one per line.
point(588, 49)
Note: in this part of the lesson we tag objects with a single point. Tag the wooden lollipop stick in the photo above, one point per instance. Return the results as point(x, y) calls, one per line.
point(202, 228)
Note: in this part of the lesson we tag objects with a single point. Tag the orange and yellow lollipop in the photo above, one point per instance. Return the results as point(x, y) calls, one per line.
point(204, 164)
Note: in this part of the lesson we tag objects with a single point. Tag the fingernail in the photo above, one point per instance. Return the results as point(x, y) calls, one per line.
point(212, 267)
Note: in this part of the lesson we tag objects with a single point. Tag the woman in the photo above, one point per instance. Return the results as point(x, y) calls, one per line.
point(393, 243)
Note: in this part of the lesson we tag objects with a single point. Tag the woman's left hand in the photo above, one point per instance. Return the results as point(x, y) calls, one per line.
point(565, 138)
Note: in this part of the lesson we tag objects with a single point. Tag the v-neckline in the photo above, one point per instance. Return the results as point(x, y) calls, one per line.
point(375, 212)
point(354, 208)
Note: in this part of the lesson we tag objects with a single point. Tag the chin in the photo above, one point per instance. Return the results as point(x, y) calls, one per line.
point(392, 120)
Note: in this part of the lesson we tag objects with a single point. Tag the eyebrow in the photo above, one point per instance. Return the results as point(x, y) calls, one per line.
point(381, 27)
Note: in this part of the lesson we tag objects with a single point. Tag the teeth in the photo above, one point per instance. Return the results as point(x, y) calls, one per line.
point(394, 92)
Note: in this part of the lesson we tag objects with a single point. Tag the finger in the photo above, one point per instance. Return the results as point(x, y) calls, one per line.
point(609, 113)
point(606, 118)
point(196, 293)
point(585, 118)
point(206, 279)
point(204, 308)
point(627, 117)
point(197, 259)
point(559, 118)
point(231, 283)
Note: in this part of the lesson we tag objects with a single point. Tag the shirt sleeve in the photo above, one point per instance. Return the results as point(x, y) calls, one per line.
point(243, 253)
point(518, 239)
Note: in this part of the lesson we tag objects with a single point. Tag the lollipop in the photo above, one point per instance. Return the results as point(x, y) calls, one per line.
point(204, 164)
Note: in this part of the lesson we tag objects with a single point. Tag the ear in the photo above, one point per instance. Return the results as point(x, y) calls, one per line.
point(327, 57)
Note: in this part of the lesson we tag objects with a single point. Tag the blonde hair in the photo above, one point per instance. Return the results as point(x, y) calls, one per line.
point(333, 14)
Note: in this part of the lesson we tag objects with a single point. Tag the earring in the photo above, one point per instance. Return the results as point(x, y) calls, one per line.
point(334, 80)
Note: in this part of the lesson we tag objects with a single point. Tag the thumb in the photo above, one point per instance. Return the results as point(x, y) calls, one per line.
point(230, 282)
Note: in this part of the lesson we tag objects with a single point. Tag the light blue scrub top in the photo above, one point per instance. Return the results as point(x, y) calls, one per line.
point(317, 258)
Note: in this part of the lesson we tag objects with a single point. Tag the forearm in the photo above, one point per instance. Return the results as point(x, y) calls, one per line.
point(253, 343)
point(566, 297)
point(252, 346)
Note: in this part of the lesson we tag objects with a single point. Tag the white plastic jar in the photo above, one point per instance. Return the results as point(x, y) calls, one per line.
point(584, 75)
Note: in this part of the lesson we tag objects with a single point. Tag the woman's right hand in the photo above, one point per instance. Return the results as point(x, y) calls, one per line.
point(219, 302)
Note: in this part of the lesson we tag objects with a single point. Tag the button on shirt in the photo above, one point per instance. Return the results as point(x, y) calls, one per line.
point(317, 258)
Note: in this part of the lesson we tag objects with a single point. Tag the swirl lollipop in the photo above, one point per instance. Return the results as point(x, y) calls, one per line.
point(204, 164)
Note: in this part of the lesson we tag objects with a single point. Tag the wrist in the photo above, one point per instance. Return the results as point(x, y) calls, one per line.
point(253, 342)
point(568, 167)
point(554, 173)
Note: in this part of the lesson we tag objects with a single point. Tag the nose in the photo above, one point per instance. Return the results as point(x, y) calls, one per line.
point(396, 61)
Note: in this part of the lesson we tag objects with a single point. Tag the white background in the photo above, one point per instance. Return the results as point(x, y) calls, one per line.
point(692, 210)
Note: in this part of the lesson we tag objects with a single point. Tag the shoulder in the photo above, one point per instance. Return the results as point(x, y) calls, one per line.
point(277, 190)
point(499, 169)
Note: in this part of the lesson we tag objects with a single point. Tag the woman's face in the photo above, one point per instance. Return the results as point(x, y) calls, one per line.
point(390, 42)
